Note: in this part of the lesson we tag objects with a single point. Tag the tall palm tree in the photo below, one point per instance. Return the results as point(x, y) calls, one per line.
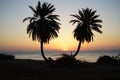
point(43, 26)
point(87, 21)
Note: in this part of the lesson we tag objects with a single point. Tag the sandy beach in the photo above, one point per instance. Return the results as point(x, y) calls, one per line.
point(40, 70)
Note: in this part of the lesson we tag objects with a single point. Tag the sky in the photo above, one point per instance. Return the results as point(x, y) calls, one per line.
point(13, 36)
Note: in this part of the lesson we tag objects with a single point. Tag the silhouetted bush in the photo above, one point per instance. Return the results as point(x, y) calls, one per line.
point(68, 61)
point(107, 60)
point(6, 57)
point(116, 57)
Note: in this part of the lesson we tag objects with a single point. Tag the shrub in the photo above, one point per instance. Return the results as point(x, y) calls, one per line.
point(107, 60)
point(6, 57)
point(67, 60)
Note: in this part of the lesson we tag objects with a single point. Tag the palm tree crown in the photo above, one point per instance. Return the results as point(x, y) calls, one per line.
point(43, 25)
point(86, 22)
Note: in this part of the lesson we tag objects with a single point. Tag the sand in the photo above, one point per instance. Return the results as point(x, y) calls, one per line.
point(40, 70)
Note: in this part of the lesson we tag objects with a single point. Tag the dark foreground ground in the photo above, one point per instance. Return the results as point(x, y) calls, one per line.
point(40, 70)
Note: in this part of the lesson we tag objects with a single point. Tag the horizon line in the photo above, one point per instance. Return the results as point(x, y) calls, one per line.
point(13, 51)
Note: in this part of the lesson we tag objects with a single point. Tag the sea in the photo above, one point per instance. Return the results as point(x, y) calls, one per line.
point(89, 56)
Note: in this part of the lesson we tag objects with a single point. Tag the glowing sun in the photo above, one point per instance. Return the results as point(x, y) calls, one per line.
point(65, 49)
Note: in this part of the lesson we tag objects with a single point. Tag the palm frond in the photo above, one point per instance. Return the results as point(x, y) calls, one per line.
point(39, 5)
point(97, 29)
point(96, 21)
point(52, 17)
point(33, 9)
point(77, 17)
point(97, 25)
point(92, 13)
point(81, 14)
point(94, 17)
point(26, 19)
point(50, 7)
point(38, 8)
point(74, 21)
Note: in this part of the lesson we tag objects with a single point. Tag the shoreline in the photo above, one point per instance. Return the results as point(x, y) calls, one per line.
point(83, 56)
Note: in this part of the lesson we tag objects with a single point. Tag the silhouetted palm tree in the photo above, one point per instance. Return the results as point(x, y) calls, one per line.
point(87, 21)
point(43, 25)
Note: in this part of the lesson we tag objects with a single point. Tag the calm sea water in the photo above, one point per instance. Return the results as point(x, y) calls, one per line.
point(90, 56)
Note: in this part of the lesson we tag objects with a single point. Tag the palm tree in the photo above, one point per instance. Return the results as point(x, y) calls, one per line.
point(43, 26)
point(87, 21)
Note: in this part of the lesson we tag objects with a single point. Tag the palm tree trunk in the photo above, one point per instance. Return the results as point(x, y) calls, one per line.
point(79, 45)
point(42, 53)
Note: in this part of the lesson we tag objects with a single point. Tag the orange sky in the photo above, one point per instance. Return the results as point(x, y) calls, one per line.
point(13, 35)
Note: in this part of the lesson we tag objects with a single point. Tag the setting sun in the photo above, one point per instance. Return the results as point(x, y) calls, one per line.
point(64, 49)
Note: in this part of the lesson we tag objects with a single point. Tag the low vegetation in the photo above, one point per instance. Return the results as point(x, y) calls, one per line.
point(6, 57)
point(67, 60)
point(109, 60)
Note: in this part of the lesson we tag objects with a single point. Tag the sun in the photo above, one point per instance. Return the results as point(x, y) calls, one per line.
point(64, 49)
